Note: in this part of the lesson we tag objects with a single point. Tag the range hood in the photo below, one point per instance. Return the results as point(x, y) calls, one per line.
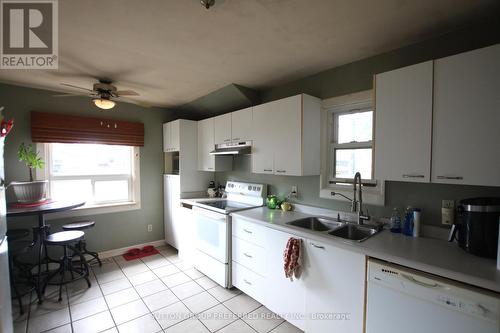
point(239, 148)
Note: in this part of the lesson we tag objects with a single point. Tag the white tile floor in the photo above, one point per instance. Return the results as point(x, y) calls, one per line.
point(159, 293)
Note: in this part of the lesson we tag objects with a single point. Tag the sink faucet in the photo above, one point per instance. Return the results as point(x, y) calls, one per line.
point(357, 206)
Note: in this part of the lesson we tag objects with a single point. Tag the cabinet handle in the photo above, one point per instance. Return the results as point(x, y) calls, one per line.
point(281, 171)
point(268, 170)
point(247, 255)
point(247, 231)
point(210, 168)
point(413, 176)
point(227, 140)
point(247, 282)
point(318, 246)
point(236, 139)
point(450, 177)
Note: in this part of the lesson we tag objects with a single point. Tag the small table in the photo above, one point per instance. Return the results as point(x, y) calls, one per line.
point(41, 211)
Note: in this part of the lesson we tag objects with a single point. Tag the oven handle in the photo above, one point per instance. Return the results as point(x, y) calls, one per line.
point(208, 213)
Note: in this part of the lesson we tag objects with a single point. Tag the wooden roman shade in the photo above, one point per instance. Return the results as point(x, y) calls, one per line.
point(62, 128)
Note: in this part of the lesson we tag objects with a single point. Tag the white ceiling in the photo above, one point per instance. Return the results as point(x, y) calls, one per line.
point(174, 51)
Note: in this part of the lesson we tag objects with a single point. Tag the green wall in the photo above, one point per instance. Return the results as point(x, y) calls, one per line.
point(358, 76)
point(113, 230)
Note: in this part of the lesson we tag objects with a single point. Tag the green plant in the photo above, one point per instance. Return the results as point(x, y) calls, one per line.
point(28, 155)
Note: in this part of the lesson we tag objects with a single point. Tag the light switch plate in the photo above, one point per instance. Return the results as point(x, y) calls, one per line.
point(448, 212)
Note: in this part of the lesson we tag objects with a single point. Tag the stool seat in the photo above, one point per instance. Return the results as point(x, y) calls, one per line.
point(80, 225)
point(64, 237)
point(15, 234)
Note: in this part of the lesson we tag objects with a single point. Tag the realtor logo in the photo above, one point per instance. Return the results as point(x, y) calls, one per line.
point(29, 38)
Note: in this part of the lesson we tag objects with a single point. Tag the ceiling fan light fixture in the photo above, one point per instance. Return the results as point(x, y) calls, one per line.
point(103, 103)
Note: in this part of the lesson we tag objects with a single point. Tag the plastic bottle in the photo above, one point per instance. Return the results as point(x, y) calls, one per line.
point(416, 222)
point(395, 221)
point(408, 222)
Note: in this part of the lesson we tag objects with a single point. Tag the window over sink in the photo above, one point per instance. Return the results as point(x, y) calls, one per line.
point(102, 175)
point(348, 147)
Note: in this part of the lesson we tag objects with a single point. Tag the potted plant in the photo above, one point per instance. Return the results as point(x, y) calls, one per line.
point(34, 190)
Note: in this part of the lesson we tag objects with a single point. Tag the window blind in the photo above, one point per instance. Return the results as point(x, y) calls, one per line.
point(62, 128)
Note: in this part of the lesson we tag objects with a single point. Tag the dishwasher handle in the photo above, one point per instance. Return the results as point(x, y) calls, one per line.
point(420, 283)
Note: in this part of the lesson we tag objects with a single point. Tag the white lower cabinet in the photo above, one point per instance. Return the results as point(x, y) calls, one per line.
point(335, 289)
point(284, 297)
point(329, 296)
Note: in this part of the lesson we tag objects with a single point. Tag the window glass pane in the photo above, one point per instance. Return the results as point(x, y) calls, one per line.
point(350, 161)
point(112, 190)
point(90, 159)
point(80, 189)
point(355, 127)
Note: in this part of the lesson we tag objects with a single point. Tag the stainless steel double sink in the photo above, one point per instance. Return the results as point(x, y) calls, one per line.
point(345, 230)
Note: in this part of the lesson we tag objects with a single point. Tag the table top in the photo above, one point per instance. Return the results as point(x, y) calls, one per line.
point(50, 207)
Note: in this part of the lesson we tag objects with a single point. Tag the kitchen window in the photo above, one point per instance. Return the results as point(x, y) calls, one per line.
point(102, 175)
point(351, 143)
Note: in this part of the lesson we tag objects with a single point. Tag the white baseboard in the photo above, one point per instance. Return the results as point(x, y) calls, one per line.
point(120, 251)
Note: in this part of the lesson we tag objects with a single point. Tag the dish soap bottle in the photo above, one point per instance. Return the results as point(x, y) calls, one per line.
point(408, 223)
point(395, 221)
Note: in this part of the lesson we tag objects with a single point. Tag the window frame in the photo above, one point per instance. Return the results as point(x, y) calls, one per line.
point(373, 190)
point(101, 207)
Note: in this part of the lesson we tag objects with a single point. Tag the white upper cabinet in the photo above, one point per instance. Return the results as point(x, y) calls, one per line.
point(242, 125)
point(223, 128)
point(334, 280)
point(263, 141)
point(403, 124)
point(171, 136)
point(206, 143)
point(466, 136)
point(286, 137)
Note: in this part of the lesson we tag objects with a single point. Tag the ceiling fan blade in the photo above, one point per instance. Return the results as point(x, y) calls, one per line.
point(126, 93)
point(77, 87)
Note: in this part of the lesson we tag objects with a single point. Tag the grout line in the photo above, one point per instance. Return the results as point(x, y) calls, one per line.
point(105, 301)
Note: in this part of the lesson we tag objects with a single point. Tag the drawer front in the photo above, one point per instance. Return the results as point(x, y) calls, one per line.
point(249, 255)
point(248, 282)
point(249, 231)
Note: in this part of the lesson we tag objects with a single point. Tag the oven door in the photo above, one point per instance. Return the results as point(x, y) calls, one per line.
point(212, 234)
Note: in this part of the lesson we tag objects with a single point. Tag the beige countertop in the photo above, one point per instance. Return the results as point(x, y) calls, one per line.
point(425, 254)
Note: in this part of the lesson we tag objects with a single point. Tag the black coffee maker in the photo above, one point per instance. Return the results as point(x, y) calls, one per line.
point(476, 228)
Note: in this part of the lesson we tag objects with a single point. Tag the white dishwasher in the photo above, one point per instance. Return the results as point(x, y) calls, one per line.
point(404, 300)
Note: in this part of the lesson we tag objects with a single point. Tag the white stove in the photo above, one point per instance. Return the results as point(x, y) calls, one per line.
point(213, 228)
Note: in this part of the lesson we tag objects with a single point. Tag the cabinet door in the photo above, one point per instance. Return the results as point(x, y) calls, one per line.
point(466, 137)
point(264, 123)
point(176, 221)
point(335, 284)
point(222, 125)
point(241, 124)
point(403, 124)
point(282, 295)
point(206, 162)
point(167, 211)
point(288, 136)
point(166, 137)
point(174, 135)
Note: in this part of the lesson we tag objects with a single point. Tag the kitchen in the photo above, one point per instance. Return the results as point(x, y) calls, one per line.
point(296, 147)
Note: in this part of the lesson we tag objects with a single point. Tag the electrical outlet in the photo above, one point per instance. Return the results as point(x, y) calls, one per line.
point(447, 212)
point(448, 204)
point(294, 193)
point(150, 227)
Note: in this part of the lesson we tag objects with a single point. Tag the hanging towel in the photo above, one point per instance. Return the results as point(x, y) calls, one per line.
point(292, 258)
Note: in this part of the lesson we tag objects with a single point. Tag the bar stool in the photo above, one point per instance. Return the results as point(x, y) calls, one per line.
point(82, 245)
point(67, 239)
point(23, 278)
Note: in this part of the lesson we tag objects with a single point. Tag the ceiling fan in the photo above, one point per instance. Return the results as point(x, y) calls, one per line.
point(102, 93)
